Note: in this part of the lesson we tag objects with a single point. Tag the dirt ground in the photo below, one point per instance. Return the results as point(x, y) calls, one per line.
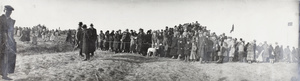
point(41, 65)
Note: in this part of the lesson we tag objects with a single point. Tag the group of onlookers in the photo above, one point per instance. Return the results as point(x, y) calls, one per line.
point(193, 42)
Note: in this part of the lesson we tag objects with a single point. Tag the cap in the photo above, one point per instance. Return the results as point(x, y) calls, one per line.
point(80, 23)
point(8, 7)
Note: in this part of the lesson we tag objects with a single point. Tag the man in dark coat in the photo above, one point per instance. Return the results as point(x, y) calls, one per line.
point(8, 44)
point(79, 38)
point(93, 37)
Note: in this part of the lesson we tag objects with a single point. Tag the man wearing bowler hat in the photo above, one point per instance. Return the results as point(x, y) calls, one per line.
point(8, 44)
point(79, 38)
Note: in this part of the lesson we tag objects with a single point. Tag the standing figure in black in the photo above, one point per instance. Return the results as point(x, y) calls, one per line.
point(86, 42)
point(79, 38)
point(93, 38)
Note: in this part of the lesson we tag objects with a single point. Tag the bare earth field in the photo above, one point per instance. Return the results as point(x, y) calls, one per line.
point(35, 63)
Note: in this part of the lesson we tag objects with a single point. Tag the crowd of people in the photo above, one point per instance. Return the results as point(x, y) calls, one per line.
point(193, 42)
point(189, 42)
point(30, 34)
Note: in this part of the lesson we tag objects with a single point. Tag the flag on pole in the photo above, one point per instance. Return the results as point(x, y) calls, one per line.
point(232, 29)
point(290, 23)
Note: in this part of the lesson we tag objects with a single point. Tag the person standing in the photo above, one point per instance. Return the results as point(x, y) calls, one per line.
point(101, 40)
point(193, 50)
point(180, 46)
point(173, 51)
point(7, 42)
point(165, 42)
point(116, 44)
point(187, 48)
point(277, 51)
point(106, 41)
point(294, 55)
point(85, 42)
point(140, 41)
point(79, 38)
point(201, 47)
point(286, 56)
point(266, 52)
point(241, 50)
point(93, 38)
point(125, 41)
point(233, 49)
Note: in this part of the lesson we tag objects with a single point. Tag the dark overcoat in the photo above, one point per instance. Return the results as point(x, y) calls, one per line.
point(8, 45)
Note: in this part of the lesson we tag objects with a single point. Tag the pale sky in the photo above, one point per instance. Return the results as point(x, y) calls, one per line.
point(263, 20)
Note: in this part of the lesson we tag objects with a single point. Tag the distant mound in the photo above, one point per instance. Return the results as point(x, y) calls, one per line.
point(26, 48)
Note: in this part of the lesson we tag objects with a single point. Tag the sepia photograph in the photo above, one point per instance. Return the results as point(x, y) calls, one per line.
point(149, 40)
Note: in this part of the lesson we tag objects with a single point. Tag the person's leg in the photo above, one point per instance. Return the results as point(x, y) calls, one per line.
point(87, 56)
point(4, 73)
point(80, 52)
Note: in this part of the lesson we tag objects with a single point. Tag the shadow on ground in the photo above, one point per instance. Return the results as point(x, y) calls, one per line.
point(134, 58)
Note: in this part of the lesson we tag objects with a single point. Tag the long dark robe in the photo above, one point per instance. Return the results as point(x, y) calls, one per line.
point(8, 45)
point(93, 37)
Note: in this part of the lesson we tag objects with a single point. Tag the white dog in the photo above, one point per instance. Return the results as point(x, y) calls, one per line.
point(152, 50)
